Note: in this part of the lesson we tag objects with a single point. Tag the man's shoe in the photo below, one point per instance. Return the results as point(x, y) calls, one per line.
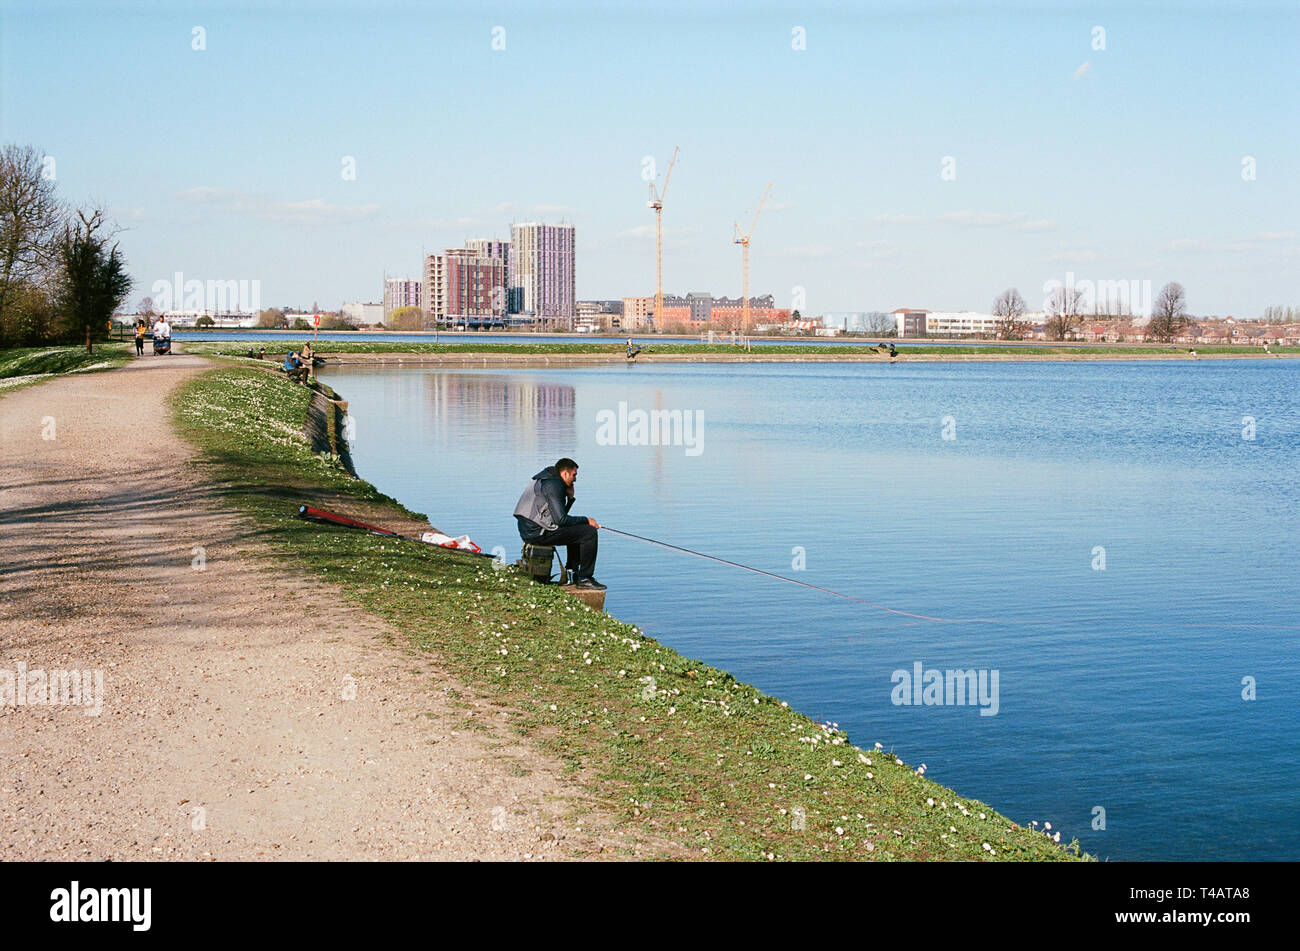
point(589, 583)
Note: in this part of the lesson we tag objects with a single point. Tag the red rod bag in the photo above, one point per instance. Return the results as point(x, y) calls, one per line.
point(320, 515)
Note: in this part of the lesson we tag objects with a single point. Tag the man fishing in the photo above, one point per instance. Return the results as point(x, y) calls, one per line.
point(293, 367)
point(544, 519)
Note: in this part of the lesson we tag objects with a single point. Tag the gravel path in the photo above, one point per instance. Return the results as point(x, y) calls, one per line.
point(245, 714)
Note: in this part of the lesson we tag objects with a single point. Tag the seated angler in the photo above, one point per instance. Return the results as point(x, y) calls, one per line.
point(544, 519)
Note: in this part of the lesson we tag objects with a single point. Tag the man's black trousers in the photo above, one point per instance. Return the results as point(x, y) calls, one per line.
point(581, 541)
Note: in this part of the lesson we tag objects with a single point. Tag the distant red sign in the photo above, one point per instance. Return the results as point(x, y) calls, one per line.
point(315, 320)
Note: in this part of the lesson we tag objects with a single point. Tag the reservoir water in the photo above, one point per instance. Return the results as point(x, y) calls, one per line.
point(1119, 542)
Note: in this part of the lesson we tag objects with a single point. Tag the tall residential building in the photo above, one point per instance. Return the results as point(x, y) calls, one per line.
point(542, 283)
point(461, 286)
point(495, 250)
point(490, 248)
point(400, 292)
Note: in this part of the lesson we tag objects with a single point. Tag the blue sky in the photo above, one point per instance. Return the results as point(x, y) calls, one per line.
point(1123, 163)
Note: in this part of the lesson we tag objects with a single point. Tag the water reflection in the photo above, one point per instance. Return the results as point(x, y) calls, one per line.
point(459, 411)
point(524, 412)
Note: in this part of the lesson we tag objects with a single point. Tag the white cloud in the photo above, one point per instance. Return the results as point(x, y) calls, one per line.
point(878, 250)
point(1203, 245)
point(985, 219)
point(1014, 221)
point(265, 208)
point(1074, 256)
point(643, 235)
point(464, 222)
point(807, 252)
point(640, 231)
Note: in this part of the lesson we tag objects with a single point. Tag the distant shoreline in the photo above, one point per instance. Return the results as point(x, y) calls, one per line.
point(841, 340)
point(488, 358)
point(467, 353)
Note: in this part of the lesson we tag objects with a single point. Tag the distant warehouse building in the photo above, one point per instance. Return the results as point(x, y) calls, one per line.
point(910, 322)
point(699, 308)
point(729, 311)
point(363, 313)
point(701, 304)
point(961, 324)
point(599, 315)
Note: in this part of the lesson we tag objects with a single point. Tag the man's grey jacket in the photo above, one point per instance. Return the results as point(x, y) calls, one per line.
point(544, 506)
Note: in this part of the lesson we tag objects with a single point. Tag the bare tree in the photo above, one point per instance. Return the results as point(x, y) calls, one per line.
point(1062, 311)
point(1010, 309)
point(879, 325)
point(1168, 314)
point(30, 216)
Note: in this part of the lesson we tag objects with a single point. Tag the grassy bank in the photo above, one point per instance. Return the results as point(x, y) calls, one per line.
point(694, 762)
point(26, 365)
point(618, 351)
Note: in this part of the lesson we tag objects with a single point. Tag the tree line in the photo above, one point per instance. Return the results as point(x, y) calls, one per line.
point(62, 274)
point(1169, 316)
point(1281, 315)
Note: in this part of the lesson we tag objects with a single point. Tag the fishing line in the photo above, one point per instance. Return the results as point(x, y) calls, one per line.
point(804, 584)
point(919, 617)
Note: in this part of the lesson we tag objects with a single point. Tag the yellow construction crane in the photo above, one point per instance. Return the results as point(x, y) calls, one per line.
point(742, 238)
point(657, 203)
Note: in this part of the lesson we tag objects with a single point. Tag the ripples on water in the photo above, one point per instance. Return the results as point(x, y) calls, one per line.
point(1118, 688)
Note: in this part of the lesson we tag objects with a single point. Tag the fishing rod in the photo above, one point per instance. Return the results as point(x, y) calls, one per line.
point(802, 584)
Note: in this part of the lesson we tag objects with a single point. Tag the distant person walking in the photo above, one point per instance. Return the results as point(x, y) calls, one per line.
point(544, 519)
point(139, 338)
